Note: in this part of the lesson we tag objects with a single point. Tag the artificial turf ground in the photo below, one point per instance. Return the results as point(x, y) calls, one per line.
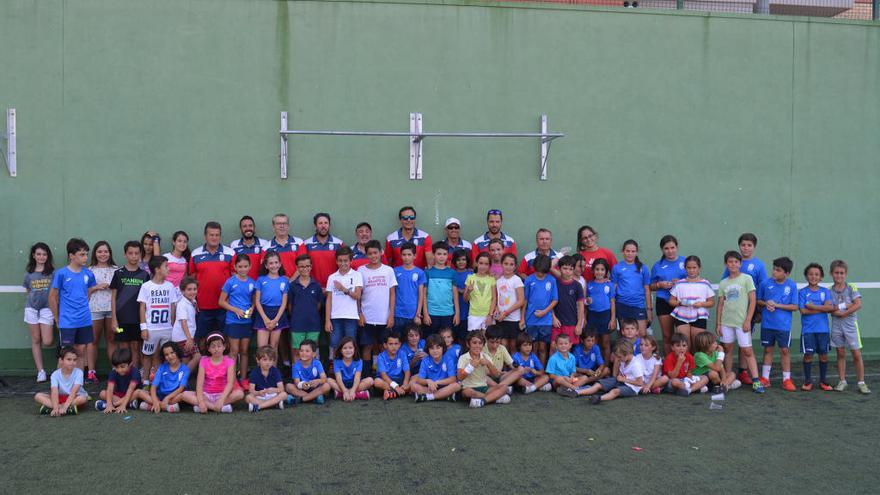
point(779, 442)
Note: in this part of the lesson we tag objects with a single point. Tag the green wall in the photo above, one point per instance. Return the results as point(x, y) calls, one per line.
point(164, 113)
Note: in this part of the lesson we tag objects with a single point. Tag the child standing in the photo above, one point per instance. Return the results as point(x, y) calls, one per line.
point(691, 299)
point(511, 302)
point(474, 368)
point(736, 304)
point(754, 268)
point(350, 383)
point(668, 270)
point(436, 378)
point(306, 298)
point(157, 299)
point(534, 377)
point(627, 382)
point(266, 385)
point(122, 384)
point(178, 257)
point(632, 290)
point(678, 366)
point(377, 303)
point(461, 263)
point(588, 358)
point(66, 394)
point(845, 325)
point(103, 266)
point(309, 380)
point(184, 331)
point(480, 293)
point(600, 301)
point(216, 387)
point(777, 297)
point(568, 314)
point(169, 383)
point(815, 303)
point(271, 302)
point(38, 316)
point(441, 310)
point(496, 251)
point(343, 290)
point(237, 298)
point(69, 299)
point(124, 306)
point(392, 369)
point(541, 297)
point(410, 290)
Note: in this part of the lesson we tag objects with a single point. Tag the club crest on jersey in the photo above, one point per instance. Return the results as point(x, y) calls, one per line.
point(443, 366)
point(681, 265)
point(85, 278)
point(415, 277)
point(607, 289)
point(251, 287)
point(548, 286)
point(315, 372)
point(222, 257)
point(750, 267)
point(787, 291)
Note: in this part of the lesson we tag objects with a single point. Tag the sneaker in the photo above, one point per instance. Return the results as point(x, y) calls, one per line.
point(453, 397)
point(704, 389)
point(337, 395)
point(146, 385)
point(716, 389)
point(788, 385)
point(546, 388)
point(196, 409)
point(504, 399)
point(656, 390)
point(173, 408)
point(226, 408)
point(92, 377)
point(757, 387)
point(73, 410)
point(253, 408)
point(421, 398)
point(595, 399)
point(863, 388)
point(319, 400)
point(475, 403)
point(745, 378)
point(44, 410)
point(41, 376)
point(626, 5)
point(100, 405)
point(635, 5)
point(144, 406)
point(530, 389)
point(134, 404)
point(736, 384)
point(567, 392)
point(245, 383)
point(807, 386)
point(684, 392)
point(824, 386)
point(281, 405)
point(362, 395)
point(389, 395)
point(841, 386)
point(510, 390)
point(765, 382)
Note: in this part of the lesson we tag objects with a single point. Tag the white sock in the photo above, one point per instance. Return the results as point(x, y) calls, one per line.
point(786, 375)
point(861, 382)
point(765, 371)
point(429, 396)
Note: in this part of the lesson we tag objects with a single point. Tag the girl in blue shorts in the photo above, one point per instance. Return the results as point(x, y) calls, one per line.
point(632, 289)
point(237, 298)
point(270, 301)
point(600, 311)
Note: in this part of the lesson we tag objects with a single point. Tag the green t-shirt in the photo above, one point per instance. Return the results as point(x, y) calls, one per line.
point(481, 297)
point(735, 292)
point(702, 362)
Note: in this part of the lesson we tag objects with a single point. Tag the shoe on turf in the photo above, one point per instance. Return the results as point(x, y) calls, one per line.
point(196, 409)
point(546, 388)
point(134, 404)
point(841, 386)
point(475, 403)
point(716, 389)
point(362, 395)
point(389, 395)
point(807, 386)
point(227, 408)
point(704, 389)
point(253, 408)
point(735, 384)
point(504, 399)
point(281, 405)
point(41, 376)
point(684, 392)
point(421, 398)
point(656, 390)
point(173, 408)
point(92, 377)
point(73, 410)
point(453, 397)
point(100, 405)
point(319, 400)
point(595, 399)
point(788, 385)
point(863, 388)
point(337, 395)
point(510, 390)
point(530, 389)
point(144, 406)
point(744, 377)
point(765, 382)
point(757, 387)
point(567, 392)
point(824, 386)
point(44, 410)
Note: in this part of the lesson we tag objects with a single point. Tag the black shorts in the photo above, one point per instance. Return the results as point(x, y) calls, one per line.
point(701, 323)
point(509, 329)
point(131, 332)
point(662, 307)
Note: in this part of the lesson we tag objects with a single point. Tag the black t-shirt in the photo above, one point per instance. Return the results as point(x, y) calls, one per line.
point(128, 285)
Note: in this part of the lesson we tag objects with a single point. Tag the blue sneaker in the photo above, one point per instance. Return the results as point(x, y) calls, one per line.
point(319, 400)
point(100, 405)
point(757, 387)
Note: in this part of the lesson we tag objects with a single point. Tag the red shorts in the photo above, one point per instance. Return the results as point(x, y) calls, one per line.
point(567, 330)
point(187, 352)
point(62, 399)
point(118, 393)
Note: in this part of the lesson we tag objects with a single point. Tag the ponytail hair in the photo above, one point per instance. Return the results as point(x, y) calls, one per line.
point(632, 242)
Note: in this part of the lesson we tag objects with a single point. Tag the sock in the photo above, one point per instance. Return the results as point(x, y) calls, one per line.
point(786, 375)
point(765, 371)
point(862, 382)
point(430, 396)
point(808, 372)
point(823, 371)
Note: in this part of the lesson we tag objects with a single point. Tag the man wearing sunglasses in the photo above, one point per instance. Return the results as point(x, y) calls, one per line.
point(494, 219)
point(409, 233)
point(454, 240)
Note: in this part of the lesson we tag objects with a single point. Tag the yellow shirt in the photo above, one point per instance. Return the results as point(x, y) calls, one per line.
point(478, 377)
point(500, 358)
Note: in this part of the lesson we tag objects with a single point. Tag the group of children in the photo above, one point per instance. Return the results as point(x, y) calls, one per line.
point(440, 333)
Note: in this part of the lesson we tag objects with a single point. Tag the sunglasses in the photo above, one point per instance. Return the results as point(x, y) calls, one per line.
point(493, 212)
point(407, 217)
point(452, 227)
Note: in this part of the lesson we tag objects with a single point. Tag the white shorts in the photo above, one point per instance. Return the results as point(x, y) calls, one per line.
point(476, 323)
point(265, 396)
point(730, 335)
point(155, 339)
point(42, 316)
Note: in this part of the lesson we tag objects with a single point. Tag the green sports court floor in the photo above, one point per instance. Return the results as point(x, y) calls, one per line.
point(816, 442)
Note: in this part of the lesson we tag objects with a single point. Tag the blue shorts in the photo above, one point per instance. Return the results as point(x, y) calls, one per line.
point(815, 343)
point(342, 327)
point(371, 334)
point(271, 312)
point(540, 333)
point(77, 336)
point(400, 325)
point(238, 330)
point(209, 321)
point(627, 311)
point(769, 338)
point(597, 321)
point(438, 323)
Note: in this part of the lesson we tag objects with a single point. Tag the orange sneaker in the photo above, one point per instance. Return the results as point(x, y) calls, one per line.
point(389, 395)
point(765, 382)
point(745, 378)
point(807, 387)
point(788, 385)
point(824, 386)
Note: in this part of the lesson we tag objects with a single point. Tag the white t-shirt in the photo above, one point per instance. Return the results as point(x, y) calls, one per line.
point(648, 365)
point(635, 369)
point(65, 384)
point(185, 311)
point(506, 288)
point(377, 293)
point(158, 298)
point(688, 293)
point(342, 305)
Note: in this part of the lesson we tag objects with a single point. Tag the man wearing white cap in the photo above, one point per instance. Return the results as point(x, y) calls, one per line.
point(454, 240)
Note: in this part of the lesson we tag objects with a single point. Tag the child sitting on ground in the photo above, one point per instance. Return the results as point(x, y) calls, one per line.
point(66, 394)
point(169, 382)
point(392, 370)
point(122, 384)
point(216, 387)
point(266, 387)
point(436, 378)
point(654, 379)
point(588, 358)
point(350, 382)
point(474, 367)
point(679, 366)
point(533, 377)
point(562, 368)
point(309, 380)
point(629, 379)
point(709, 361)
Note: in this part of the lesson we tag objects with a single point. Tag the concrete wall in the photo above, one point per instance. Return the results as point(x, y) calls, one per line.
point(164, 113)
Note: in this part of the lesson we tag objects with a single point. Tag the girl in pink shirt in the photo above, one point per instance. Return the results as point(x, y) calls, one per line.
point(216, 388)
point(178, 258)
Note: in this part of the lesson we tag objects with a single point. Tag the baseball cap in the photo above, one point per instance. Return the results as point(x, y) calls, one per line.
point(452, 220)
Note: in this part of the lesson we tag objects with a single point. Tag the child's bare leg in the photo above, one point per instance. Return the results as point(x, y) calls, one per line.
point(418, 388)
point(643, 328)
point(581, 381)
point(541, 380)
point(243, 358)
point(728, 356)
point(714, 377)
point(660, 381)
point(313, 394)
point(784, 359)
point(511, 377)
point(749, 354)
point(262, 338)
point(495, 393)
point(841, 363)
point(446, 391)
point(592, 389)
point(274, 338)
point(859, 364)
point(468, 393)
point(236, 395)
point(365, 384)
point(43, 399)
point(189, 397)
point(80, 400)
point(768, 356)
point(380, 384)
point(610, 395)
point(561, 381)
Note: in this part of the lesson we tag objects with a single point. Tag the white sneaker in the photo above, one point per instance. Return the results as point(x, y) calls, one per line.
point(281, 405)
point(196, 409)
point(41, 376)
point(510, 390)
point(144, 406)
point(226, 409)
point(505, 399)
point(173, 408)
point(475, 403)
point(547, 388)
point(704, 389)
point(530, 389)
point(252, 407)
point(735, 385)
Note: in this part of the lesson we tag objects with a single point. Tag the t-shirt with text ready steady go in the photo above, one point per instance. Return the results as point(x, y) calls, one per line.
point(73, 295)
point(377, 293)
point(127, 285)
point(440, 299)
point(342, 305)
point(407, 295)
point(506, 288)
point(158, 299)
point(735, 292)
point(481, 295)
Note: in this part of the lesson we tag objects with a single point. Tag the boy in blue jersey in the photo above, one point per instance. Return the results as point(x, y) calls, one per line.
point(392, 369)
point(436, 379)
point(815, 303)
point(410, 296)
point(562, 368)
point(754, 268)
point(777, 298)
point(309, 380)
point(266, 387)
point(169, 382)
point(69, 300)
point(453, 348)
point(414, 349)
point(534, 377)
point(541, 297)
point(441, 309)
point(588, 358)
